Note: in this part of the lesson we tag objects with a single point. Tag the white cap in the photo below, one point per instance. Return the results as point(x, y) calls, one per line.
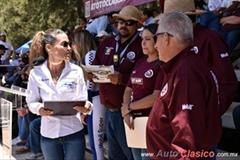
point(102, 33)
point(3, 34)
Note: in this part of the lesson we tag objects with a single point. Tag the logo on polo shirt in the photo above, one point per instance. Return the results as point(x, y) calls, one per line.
point(131, 55)
point(223, 55)
point(164, 90)
point(149, 73)
point(137, 81)
point(44, 79)
point(109, 50)
point(195, 49)
point(69, 85)
point(187, 106)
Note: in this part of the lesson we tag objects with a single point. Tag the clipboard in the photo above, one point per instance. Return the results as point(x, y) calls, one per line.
point(137, 138)
point(63, 107)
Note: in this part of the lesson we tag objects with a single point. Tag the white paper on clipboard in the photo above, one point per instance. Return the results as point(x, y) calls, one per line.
point(137, 138)
point(101, 72)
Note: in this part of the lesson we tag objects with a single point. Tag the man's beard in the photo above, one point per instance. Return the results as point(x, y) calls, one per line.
point(126, 35)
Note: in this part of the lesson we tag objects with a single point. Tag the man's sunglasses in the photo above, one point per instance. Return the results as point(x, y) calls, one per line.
point(128, 22)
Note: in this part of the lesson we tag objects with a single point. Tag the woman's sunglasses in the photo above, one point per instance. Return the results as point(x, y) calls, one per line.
point(128, 22)
point(65, 44)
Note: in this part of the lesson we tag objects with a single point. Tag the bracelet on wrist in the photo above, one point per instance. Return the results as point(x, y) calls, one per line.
point(129, 107)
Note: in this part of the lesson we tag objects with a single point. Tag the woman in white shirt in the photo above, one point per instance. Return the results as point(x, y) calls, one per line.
point(62, 137)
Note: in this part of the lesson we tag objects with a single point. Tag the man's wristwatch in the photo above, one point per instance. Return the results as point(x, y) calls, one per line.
point(220, 12)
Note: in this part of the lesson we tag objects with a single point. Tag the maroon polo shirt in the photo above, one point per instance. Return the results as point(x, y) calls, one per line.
point(212, 47)
point(185, 115)
point(111, 95)
point(145, 78)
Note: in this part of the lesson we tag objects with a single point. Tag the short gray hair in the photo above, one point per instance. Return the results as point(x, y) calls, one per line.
point(179, 25)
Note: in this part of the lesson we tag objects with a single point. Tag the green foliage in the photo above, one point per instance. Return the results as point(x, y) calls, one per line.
point(152, 5)
point(21, 19)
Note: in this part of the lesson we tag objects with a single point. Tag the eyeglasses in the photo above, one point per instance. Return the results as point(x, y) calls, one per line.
point(161, 33)
point(65, 44)
point(128, 22)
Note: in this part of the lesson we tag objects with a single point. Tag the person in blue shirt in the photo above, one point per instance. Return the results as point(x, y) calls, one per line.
point(103, 23)
point(147, 16)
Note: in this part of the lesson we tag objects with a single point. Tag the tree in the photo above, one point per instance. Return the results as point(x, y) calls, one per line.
point(21, 19)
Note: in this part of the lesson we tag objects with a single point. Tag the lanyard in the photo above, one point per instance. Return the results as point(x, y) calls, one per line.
point(122, 53)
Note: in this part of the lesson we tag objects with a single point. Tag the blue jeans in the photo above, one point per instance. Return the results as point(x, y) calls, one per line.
point(140, 154)
point(236, 118)
point(232, 38)
point(115, 131)
point(69, 147)
point(30, 117)
point(34, 137)
point(23, 127)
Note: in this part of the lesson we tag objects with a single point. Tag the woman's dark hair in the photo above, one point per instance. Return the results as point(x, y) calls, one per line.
point(153, 29)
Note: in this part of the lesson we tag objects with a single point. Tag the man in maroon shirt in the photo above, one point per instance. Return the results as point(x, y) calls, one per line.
point(122, 51)
point(184, 121)
point(213, 48)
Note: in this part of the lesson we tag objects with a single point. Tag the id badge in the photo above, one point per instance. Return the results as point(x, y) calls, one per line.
point(116, 60)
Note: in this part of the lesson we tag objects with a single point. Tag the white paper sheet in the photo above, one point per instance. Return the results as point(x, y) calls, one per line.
point(137, 138)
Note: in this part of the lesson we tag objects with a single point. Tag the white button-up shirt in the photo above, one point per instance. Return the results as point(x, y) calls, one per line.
point(70, 86)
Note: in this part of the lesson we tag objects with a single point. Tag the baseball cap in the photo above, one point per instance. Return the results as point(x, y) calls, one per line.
point(3, 34)
point(3, 47)
point(102, 33)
